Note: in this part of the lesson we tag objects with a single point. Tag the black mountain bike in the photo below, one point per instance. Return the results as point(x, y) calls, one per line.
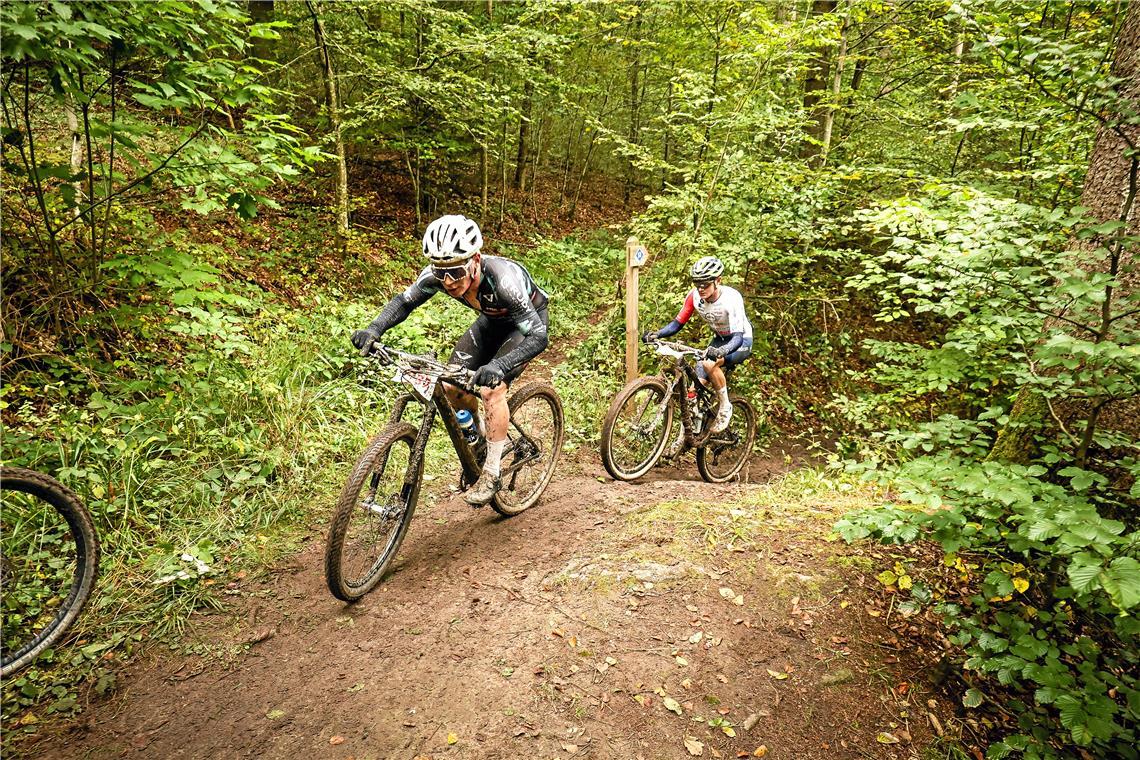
point(638, 425)
point(49, 557)
point(377, 503)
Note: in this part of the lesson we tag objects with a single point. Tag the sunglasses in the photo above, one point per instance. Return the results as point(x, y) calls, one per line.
point(457, 272)
point(702, 284)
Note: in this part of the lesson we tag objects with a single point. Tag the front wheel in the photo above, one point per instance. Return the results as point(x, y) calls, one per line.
point(636, 428)
point(49, 557)
point(724, 454)
point(535, 434)
point(373, 513)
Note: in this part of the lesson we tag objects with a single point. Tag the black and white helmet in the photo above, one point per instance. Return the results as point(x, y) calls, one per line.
point(706, 268)
point(452, 239)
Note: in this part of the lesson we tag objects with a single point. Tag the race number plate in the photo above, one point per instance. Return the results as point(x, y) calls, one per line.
point(423, 384)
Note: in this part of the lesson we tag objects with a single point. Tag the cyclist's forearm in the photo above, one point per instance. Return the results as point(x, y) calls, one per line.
point(393, 313)
point(735, 342)
point(670, 329)
point(531, 346)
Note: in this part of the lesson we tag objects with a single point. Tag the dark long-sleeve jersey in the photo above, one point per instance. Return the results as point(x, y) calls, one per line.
point(507, 292)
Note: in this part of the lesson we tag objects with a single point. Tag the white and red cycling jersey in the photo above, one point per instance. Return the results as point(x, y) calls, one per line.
point(725, 315)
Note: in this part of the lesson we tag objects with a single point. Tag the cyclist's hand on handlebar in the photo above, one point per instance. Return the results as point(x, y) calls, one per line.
point(649, 336)
point(489, 375)
point(712, 353)
point(364, 339)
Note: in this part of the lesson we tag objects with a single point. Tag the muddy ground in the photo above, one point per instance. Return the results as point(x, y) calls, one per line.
point(606, 622)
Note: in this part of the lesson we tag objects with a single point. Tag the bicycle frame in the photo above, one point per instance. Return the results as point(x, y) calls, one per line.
point(437, 403)
point(683, 376)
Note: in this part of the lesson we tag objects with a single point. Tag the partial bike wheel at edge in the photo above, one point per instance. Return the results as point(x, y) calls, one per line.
point(724, 454)
point(535, 433)
point(636, 428)
point(49, 557)
point(372, 513)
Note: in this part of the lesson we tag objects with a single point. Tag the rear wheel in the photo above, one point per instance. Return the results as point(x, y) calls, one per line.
point(535, 434)
point(49, 557)
point(636, 428)
point(372, 514)
point(724, 454)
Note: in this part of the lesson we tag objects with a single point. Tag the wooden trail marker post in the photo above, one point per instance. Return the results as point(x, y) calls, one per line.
point(635, 256)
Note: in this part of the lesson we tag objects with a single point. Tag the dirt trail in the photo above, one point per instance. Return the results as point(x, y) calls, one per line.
point(505, 638)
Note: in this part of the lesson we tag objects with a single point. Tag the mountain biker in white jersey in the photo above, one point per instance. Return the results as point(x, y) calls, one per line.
point(509, 332)
point(722, 308)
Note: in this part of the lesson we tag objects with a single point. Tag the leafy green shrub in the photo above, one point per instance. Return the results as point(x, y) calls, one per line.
point(1049, 535)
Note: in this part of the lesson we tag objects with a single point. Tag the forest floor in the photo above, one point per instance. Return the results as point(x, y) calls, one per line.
point(567, 631)
point(666, 618)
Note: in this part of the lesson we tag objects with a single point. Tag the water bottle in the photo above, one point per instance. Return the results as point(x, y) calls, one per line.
point(467, 424)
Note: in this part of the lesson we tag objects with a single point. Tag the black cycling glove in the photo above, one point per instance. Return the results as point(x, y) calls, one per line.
point(489, 375)
point(363, 340)
point(649, 336)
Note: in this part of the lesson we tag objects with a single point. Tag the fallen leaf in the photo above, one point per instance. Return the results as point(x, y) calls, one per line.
point(672, 705)
point(336, 740)
point(886, 738)
point(687, 683)
point(726, 592)
point(641, 699)
point(722, 677)
point(452, 738)
point(571, 748)
point(274, 714)
point(760, 751)
point(682, 662)
point(739, 601)
point(695, 747)
point(691, 608)
point(557, 632)
point(696, 637)
point(660, 691)
point(611, 661)
point(777, 674)
point(728, 731)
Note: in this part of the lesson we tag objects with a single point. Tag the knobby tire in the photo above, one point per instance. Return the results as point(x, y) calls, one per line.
point(522, 488)
point(734, 444)
point(351, 512)
point(49, 490)
point(613, 456)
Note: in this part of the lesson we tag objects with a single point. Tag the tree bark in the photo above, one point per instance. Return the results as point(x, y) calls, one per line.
point(1110, 194)
point(814, 84)
point(836, 85)
point(329, 78)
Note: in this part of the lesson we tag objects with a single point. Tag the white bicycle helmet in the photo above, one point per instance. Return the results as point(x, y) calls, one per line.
point(706, 268)
point(452, 239)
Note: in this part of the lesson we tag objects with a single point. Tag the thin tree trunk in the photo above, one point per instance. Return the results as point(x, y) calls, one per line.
point(519, 182)
point(816, 81)
point(334, 119)
point(483, 176)
point(836, 84)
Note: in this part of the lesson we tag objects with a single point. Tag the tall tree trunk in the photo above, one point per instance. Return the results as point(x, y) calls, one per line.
point(261, 12)
point(329, 78)
point(836, 84)
point(634, 103)
point(524, 131)
point(814, 84)
point(1110, 194)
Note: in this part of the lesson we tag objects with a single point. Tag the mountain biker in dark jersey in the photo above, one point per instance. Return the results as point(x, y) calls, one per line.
point(509, 331)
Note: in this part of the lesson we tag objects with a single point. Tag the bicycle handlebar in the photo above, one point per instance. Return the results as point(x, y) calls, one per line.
point(680, 348)
point(453, 373)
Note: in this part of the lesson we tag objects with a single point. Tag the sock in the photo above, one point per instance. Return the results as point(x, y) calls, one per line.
point(723, 394)
point(494, 456)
